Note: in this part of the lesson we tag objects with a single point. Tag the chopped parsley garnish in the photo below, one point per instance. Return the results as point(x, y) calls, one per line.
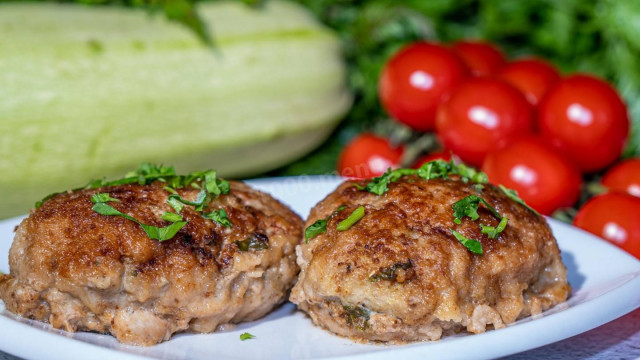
point(432, 170)
point(493, 232)
point(246, 336)
point(175, 204)
point(317, 228)
point(355, 216)
point(320, 226)
point(147, 173)
point(379, 185)
point(153, 232)
point(357, 316)
point(171, 217)
point(389, 273)
point(256, 241)
point(219, 216)
point(513, 195)
point(473, 245)
point(468, 206)
point(102, 198)
point(199, 203)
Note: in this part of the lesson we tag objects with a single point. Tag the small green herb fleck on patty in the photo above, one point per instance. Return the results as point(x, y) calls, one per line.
point(246, 336)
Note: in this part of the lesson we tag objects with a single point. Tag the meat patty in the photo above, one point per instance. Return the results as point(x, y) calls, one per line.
point(399, 274)
point(80, 270)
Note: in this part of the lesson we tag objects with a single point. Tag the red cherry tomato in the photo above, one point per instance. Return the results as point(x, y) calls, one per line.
point(544, 179)
point(368, 155)
point(415, 81)
point(444, 155)
point(624, 177)
point(479, 114)
point(585, 118)
point(534, 77)
point(481, 57)
point(614, 217)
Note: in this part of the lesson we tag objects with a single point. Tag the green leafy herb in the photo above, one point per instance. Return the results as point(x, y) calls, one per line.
point(473, 245)
point(317, 228)
point(320, 226)
point(175, 204)
point(355, 216)
point(102, 198)
point(256, 241)
point(468, 206)
point(163, 233)
point(493, 232)
point(246, 336)
point(389, 273)
point(153, 232)
point(219, 216)
point(199, 203)
point(379, 185)
point(357, 316)
point(432, 170)
point(171, 217)
point(435, 169)
point(513, 195)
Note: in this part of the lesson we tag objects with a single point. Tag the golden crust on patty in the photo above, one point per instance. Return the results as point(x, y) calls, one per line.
point(400, 275)
point(80, 270)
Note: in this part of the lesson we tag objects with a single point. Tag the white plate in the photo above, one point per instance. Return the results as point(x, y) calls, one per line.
point(605, 281)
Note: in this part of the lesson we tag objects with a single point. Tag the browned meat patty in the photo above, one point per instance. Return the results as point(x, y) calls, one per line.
point(399, 275)
point(80, 270)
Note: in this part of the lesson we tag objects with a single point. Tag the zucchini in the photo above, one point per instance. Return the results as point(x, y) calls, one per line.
point(89, 92)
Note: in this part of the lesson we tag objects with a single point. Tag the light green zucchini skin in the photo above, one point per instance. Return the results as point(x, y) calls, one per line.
point(90, 92)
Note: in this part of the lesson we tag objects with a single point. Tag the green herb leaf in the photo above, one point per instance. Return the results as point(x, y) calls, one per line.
point(493, 232)
point(199, 203)
point(432, 170)
point(153, 232)
point(219, 216)
point(357, 316)
point(246, 336)
point(175, 204)
point(473, 245)
point(163, 233)
point(435, 169)
point(379, 185)
point(170, 190)
point(171, 217)
point(320, 226)
point(317, 228)
point(256, 241)
point(355, 216)
point(513, 195)
point(468, 206)
point(102, 198)
point(104, 209)
point(389, 273)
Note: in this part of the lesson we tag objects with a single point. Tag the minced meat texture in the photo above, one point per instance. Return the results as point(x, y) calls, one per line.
point(82, 271)
point(399, 275)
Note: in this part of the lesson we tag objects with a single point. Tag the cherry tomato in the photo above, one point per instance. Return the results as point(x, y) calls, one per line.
point(480, 114)
point(416, 79)
point(543, 178)
point(624, 177)
point(534, 77)
point(368, 155)
point(444, 155)
point(585, 118)
point(481, 57)
point(614, 217)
